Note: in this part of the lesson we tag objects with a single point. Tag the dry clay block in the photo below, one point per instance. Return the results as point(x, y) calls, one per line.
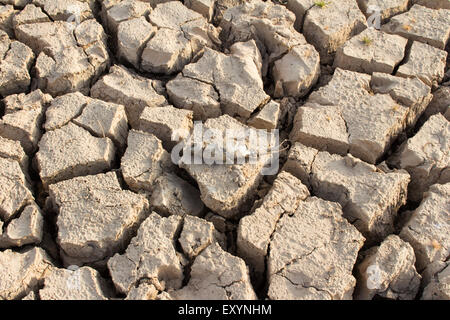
point(150, 256)
point(181, 34)
point(147, 167)
point(425, 156)
point(268, 117)
point(152, 260)
point(67, 60)
point(144, 161)
point(124, 87)
point(312, 253)
point(410, 92)
point(422, 24)
point(105, 119)
point(192, 94)
point(7, 14)
point(101, 119)
point(424, 62)
point(255, 230)
point(296, 64)
point(438, 286)
point(348, 116)
point(22, 272)
point(440, 103)
point(72, 151)
point(173, 195)
point(434, 4)
point(429, 227)
point(369, 198)
point(15, 62)
point(30, 14)
point(64, 109)
point(64, 9)
point(96, 218)
point(81, 284)
point(167, 123)
point(23, 118)
point(238, 182)
point(371, 51)
point(218, 275)
point(329, 27)
point(26, 229)
point(10, 149)
point(238, 84)
point(115, 12)
point(204, 7)
point(386, 8)
point(388, 271)
point(14, 189)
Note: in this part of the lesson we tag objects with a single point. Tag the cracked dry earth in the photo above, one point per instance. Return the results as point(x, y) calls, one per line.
point(93, 207)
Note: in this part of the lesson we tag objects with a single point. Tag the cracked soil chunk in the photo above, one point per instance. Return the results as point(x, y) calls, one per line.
point(23, 117)
point(150, 256)
point(434, 4)
point(409, 92)
point(268, 117)
point(71, 151)
point(96, 218)
point(236, 80)
point(369, 198)
point(167, 123)
point(347, 116)
point(255, 230)
point(238, 182)
point(271, 26)
point(144, 161)
point(438, 288)
point(132, 37)
point(180, 36)
point(103, 119)
point(217, 275)
point(204, 7)
point(330, 27)
point(197, 234)
point(381, 52)
point(14, 191)
point(173, 195)
point(30, 14)
point(388, 271)
point(65, 62)
point(191, 94)
point(64, 9)
point(124, 87)
point(387, 8)
point(82, 284)
point(296, 72)
point(15, 64)
point(424, 62)
point(320, 265)
point(27, 229)
point(10, 149)
point(22, 272)
point(440, 102)
point(63, 109)
point(429, 227)
point(422, 24)
point(426, 156)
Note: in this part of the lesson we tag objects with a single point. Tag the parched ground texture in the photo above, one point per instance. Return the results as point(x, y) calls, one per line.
point(92, 205)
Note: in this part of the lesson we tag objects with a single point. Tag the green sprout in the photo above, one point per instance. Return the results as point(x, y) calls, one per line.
point(367, 41)
point(321, 4)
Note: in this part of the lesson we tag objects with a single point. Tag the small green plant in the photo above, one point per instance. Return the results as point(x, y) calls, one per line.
point(367, 41)
point(321, 4)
